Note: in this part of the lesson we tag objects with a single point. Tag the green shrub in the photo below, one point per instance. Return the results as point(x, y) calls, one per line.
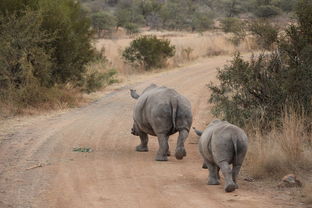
point(231, 24)
point(98, 80)
point(98, 75)
point(260, 90)
point(267, 11)
point(265, 33)
point(103, 21)
point(149, 51)
point(24, 59)
point(249, 91)
point(131, 28)
point(72, 46)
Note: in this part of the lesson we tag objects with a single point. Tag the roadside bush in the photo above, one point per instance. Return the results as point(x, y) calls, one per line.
point(267, 11)
point(72, 46)
point(44, 47)
point(103, 22)
point(258, 91)
point(131, 28)
point(98, 76)
point(231, 24)
point(24, 60)
point(149, 52)
point(266, 34)
point(249, 91)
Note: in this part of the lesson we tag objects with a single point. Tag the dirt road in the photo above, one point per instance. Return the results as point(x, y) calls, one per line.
point(38, 168)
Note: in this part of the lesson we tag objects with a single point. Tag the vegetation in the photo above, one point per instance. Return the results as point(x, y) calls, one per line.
point(266, 34)
point(149, 52)
point(191, 15)
point(103, 23)
point(259, 90)
point(45, 46)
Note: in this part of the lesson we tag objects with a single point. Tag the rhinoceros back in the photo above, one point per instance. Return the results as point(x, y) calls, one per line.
point(159, 110)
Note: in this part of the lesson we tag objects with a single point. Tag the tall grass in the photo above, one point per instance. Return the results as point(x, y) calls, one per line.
point(282, 150)
point(34, 99)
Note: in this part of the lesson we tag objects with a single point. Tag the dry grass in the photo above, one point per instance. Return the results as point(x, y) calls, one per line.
point(189, 47)
point(307, 193)
point(281, 151)
point(38, 100)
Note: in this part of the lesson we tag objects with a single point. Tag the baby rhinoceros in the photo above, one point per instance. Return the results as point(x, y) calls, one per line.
point(161, 112)
point(222, 144)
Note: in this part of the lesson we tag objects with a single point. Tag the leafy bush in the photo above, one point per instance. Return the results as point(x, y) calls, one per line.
point(24, 59)
point(103, 21)
point(72, 46)
point(231, 24)
point(44, 45)
point(266, 34)
point(235, 26)
point(149, 51)
point(97, 80)
point(267, 11)
point(131, 28)
point(259, 90)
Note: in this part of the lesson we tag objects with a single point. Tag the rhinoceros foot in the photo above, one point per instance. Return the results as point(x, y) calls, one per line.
point(229, 187)
point(180, 153)
point(204, 166)
point(161, 158)
point(213, 181)
point(141, 148)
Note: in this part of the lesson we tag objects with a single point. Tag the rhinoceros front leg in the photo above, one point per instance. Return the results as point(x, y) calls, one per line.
point(180, 150)
point(227, 173)
point(144, 141)
point(163, 148)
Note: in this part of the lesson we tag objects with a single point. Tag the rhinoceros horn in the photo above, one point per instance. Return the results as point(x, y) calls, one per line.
point(134, 94)
point(199, 133)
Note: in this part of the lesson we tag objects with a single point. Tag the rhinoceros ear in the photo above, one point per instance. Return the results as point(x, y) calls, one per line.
point(199, 133)
point(134, 94)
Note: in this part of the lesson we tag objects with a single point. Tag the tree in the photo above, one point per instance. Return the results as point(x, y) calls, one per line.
point(103, 21)
point(149, 51)
point(72, 45)
point(63, 20)
point(24, 60)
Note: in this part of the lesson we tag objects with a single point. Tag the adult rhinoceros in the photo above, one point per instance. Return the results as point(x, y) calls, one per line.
point(222, 144)
point(161, 112)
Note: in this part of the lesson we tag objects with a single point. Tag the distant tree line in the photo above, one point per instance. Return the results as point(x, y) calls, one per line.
point(191, 15)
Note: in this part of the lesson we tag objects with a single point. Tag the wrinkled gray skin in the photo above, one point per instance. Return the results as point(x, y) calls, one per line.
point(161, 112)
point(222, 144)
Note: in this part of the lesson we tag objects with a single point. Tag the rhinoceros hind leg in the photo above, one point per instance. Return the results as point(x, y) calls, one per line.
point(235, 172)
point(227, 173)
point(230, 187)
point(141, 148)
point(180, 150)
point(163, 148)
point(144, 141)
point(204, 166)
point(213, 176)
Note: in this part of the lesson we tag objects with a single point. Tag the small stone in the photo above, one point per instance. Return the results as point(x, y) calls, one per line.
point(249, 179)
point(289, 181)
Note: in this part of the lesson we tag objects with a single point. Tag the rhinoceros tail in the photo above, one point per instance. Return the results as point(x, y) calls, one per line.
point(174, 107)
point(234, 140)
point(197, 132)
point(134, 94)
